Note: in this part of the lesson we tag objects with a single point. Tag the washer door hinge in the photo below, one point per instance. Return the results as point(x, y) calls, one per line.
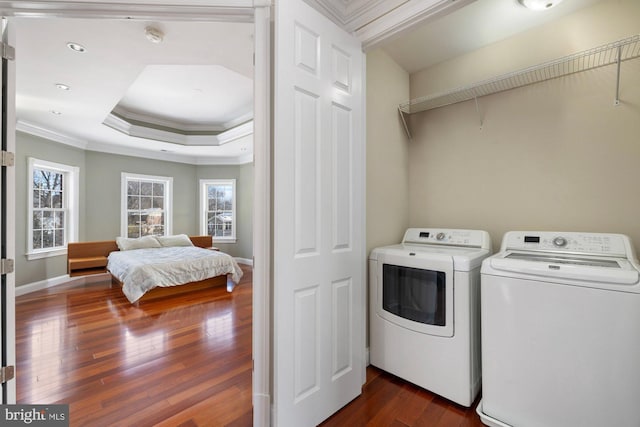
point(6, 266)
point(8, 158)
point(7, 373)
point(7, 52)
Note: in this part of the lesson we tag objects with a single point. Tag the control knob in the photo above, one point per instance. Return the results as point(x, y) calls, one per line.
point(560, 242)
point(440, 236)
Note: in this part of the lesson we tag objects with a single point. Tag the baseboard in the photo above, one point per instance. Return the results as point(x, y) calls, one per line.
point(55, 281)
point(245, 261)
point(261, 410)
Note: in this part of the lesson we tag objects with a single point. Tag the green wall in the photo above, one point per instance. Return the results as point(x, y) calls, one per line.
point(103, 192)
point(100, 175)
point(32, 146)
point(243, 174)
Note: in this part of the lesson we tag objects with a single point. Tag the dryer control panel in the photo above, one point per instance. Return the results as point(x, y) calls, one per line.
point(587, 243)
point(449, 237)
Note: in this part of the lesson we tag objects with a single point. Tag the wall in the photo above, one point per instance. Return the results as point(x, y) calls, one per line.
point(243, 248)
point(103, 184)
point(32, 146)
point(387, 152)
point(100, 175)
point(604, 22)
point(556, 155)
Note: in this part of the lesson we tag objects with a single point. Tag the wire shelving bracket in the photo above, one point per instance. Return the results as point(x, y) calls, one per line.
point(608, 54)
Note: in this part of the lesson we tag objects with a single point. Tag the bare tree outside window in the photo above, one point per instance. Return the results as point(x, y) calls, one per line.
point(49, 210)
point(145, 208)
point(220, 209)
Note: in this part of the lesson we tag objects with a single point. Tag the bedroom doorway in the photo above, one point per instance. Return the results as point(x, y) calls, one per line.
point(228, 11)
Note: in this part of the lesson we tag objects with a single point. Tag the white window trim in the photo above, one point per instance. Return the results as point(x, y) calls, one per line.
point(168, 201)
point(204, 205)
point(71, 191)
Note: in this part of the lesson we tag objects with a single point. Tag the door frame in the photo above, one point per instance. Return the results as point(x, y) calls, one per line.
point(258, 12)
point(8, 217)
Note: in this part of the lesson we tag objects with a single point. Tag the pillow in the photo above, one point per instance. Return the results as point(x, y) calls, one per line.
point(177, 240)
point(125, 244)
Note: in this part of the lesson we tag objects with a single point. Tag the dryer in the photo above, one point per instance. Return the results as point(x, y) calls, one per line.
point(424, 306)
point(561, 331)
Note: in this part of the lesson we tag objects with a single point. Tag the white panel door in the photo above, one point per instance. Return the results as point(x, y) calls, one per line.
point(7, 214)
point(319, 255)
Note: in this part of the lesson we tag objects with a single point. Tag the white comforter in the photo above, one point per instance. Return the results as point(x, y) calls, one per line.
point(140, 270)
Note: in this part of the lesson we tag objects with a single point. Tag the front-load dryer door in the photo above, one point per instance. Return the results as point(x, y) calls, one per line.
point(416, 293)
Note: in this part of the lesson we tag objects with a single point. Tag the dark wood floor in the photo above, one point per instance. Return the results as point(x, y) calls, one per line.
point(387, 400)
point(183, 360)
point(174, 361)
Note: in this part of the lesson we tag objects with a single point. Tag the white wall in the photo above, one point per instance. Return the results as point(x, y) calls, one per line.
point(604, 22)
point(556, 155)
point(387, 152)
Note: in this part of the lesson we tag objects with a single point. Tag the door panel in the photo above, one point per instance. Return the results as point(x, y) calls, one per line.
point(307, 191)
point(7, 216)
point(319, 259)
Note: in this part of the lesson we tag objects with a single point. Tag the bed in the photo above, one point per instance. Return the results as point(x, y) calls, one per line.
point(160, 262)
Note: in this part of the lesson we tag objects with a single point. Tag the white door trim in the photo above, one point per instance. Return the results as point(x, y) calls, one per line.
point(257, 11)
point(262, 263)
point(10, 219)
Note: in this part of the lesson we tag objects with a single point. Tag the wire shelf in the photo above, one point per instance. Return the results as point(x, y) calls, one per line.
point(611, 53)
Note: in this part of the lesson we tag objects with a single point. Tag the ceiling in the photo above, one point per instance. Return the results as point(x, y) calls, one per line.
point(189, 97)
point(478, 24)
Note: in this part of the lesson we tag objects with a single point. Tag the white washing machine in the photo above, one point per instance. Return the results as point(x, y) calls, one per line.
point(561, 332)
point(424, 310)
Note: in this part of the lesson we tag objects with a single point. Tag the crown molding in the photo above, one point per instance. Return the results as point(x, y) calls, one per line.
point(144, 119)
point(207, 10)
point(169, 156)
point(222, 161)
point(353, 14)
point(139, 152)
point(38, 131)
point(376, 21)
point(127, 115)
point(140, 131)
point(41, 132)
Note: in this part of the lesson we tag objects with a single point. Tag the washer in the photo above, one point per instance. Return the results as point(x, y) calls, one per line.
point(424, 310)
point(561, 331)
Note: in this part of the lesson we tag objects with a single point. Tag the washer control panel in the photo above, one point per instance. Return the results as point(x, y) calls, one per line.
point(445, 236)
point(589, 243)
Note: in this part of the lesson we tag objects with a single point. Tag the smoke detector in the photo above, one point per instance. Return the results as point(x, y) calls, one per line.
point(539, 4)
point(153, 34)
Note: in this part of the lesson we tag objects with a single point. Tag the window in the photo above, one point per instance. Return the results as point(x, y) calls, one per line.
point(146, 205)
point(53, 208)
point(218, 209)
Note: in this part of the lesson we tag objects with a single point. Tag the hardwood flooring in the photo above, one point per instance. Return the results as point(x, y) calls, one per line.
point(389, 401)
point(181, 360)
point(175, 361)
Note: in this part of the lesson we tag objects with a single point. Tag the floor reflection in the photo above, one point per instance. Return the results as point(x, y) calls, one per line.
point(87, 346)
point(46, 343)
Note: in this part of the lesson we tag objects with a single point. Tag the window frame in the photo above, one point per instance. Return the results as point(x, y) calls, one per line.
point(71, 206)
point(204, 183)
point(168, 200)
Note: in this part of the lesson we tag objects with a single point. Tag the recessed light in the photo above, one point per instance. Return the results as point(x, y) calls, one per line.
point(539, 4)
point(76, 47)
point(62, 86)
point(56, 112)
